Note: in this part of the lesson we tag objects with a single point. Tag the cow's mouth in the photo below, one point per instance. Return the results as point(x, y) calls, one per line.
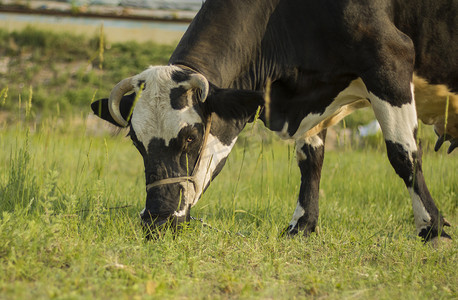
point(154, 226)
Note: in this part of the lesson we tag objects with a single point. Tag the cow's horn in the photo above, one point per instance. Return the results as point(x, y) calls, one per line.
point(200, 82)
point(115, 100)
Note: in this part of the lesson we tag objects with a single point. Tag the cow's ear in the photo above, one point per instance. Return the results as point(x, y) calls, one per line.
point(100, 108)
point(230, 104)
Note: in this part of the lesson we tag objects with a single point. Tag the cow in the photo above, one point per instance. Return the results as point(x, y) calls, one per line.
point(304, 64)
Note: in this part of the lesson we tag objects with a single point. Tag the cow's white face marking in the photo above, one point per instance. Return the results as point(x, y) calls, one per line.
point(214, 153)
point(153, 115)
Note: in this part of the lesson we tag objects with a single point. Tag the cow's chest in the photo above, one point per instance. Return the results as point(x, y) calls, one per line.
point(353, 97)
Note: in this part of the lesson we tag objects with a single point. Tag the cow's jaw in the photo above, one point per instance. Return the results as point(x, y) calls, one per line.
point(214, 156)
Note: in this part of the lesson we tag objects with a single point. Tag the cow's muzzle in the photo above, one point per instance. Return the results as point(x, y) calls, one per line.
point(154, 226)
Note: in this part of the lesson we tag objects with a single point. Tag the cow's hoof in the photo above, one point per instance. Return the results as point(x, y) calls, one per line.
point(291, 231)
point(288, 231)
point(440, 242)
point(453, 145)
point(442, 139)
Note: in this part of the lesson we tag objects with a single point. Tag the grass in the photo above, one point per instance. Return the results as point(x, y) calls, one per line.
point(69, 224)
point(70, 227)
point(66, 70)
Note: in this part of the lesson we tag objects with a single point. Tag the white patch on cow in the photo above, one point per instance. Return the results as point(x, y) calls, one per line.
point(153, 115)
point(215, 152)
point(314, 141)
point(298, 213)
point(180, 213)
point(397, 123)
point(421, 216)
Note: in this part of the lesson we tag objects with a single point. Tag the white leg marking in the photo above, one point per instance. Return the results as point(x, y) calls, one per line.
point(298, 213)
point(398, 123)
point(314, 141)
point(180, 213)
point(421, 216)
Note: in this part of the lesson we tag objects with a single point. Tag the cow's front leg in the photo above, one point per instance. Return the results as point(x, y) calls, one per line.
point(310, 155)
point(399, 125)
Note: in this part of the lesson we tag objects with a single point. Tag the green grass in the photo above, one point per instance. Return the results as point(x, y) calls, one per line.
point(70, 198)
point(66, 71)
point(69, 225)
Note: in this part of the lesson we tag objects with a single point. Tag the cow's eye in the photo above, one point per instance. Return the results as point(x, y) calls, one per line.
point(190, 139)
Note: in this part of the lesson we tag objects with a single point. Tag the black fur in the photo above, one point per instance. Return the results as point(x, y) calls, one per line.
point(431, 232)
point(100, 108)
point(230, 104)
point(178, 98)
point(311, 49)
point(140, 82)
point(310, 186)
point(180, 76)
point(411, 173)
point(232, 110)
point(174, 160)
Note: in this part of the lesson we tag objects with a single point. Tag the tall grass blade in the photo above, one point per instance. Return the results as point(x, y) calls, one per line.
point(4, 95)
point(28, 106)
point(101, 46)
point(139, 94)
point(447, 103)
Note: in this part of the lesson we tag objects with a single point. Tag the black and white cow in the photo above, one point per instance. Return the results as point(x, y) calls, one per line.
point(323, 59)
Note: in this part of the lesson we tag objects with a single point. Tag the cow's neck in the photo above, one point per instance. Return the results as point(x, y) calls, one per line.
point(224, 38)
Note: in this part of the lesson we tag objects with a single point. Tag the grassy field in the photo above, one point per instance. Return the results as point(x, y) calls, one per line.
point(70, 198)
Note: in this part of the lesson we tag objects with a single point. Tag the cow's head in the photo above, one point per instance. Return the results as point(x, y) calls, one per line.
point(168, 127)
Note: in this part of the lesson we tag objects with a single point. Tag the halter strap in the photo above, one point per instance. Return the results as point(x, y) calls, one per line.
point(191, 178)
